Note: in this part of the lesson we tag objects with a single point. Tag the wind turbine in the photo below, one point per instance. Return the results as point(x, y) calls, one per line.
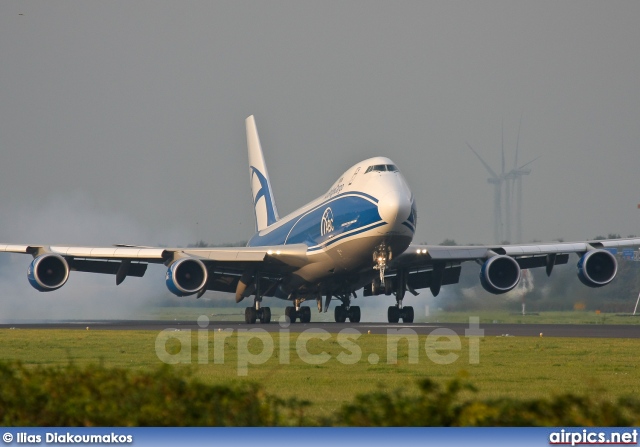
point(514, 178)
point(511, 180)
point(496, 180)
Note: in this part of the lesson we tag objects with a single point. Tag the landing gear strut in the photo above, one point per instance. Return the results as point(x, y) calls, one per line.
point(381, 256)
point(257, 312)
point(346, 310)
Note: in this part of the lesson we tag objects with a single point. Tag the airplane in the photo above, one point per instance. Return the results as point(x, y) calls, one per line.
point(358, 235)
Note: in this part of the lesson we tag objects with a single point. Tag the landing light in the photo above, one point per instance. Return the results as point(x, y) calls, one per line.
point(269, 252)
point(278, 252)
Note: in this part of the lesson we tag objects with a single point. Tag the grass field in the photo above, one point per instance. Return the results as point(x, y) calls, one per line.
point(486, 316)
point(518, 367)
point(573, 317)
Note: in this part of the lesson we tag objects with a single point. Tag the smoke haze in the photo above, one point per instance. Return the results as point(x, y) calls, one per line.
point(76, 218)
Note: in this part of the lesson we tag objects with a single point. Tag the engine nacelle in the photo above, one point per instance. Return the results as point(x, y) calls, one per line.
point(500, 274)
point(48, 272)
point(597, 268)
point(186, 276)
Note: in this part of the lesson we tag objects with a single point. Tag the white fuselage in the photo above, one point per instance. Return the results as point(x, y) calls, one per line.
point(371, 204)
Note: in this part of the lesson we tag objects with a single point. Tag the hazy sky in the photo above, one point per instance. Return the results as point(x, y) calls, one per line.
point(123, 122)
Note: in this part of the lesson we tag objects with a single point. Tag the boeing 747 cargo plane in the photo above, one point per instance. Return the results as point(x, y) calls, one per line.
point(356, 236)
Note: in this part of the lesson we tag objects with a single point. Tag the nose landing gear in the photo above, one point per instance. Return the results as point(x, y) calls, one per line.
point(381, 256)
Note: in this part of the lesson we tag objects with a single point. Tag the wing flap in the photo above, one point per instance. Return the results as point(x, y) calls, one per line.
point(107, 267)
point(422, 280)
point(531, 262)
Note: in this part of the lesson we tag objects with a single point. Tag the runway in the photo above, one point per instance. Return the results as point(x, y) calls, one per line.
point(488, 329)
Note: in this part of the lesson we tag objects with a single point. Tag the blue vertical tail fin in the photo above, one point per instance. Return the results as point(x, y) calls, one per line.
point(264, 204)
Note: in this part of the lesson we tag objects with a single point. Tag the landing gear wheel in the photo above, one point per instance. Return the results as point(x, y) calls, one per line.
point(250, 315)
point(265, 318)
point(305, 314)
point(340, 314)
point(354, 314)
point(407, 314)
point(388, 287)
point(290, 313)
point(375, 287)
point(393, 314)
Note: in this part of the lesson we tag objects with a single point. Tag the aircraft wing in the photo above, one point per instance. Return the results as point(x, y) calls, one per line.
point(418, 254)
point(220, 268)
point(294, 255)
point(434, 265)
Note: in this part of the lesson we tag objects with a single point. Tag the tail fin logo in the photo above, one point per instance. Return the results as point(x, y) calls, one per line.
point(263, 192)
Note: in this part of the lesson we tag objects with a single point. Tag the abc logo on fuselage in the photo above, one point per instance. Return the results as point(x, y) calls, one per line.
point(326, 224)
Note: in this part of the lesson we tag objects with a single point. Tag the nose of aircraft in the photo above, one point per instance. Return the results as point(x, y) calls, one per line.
point(394, 207)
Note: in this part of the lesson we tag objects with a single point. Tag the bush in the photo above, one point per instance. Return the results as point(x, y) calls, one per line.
point(99, 396)
point(434, 405)
point(75, 396)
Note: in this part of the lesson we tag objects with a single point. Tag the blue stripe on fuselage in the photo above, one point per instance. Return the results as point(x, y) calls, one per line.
point(352, 212)
point(339, 237)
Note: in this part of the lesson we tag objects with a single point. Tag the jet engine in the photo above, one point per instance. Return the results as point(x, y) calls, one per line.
point(48, 272)
point(186, 276)
point(597, 268)
point(499, 274)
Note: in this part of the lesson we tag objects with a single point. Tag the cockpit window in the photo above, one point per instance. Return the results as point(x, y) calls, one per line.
point(381, 168)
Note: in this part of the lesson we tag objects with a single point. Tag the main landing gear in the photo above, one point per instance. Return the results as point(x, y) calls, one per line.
point(397, 312)
point(257, 312)
point(346, 310)
point(298, 312)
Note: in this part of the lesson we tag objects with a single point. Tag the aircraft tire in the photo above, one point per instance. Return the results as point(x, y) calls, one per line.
point(375, 287)
point(340, 314)
point(266, 315)
point(393, 314)
point(250, 315)
point(305, 314)
point(354, 314)
point(407, 314)
point(290, 312)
